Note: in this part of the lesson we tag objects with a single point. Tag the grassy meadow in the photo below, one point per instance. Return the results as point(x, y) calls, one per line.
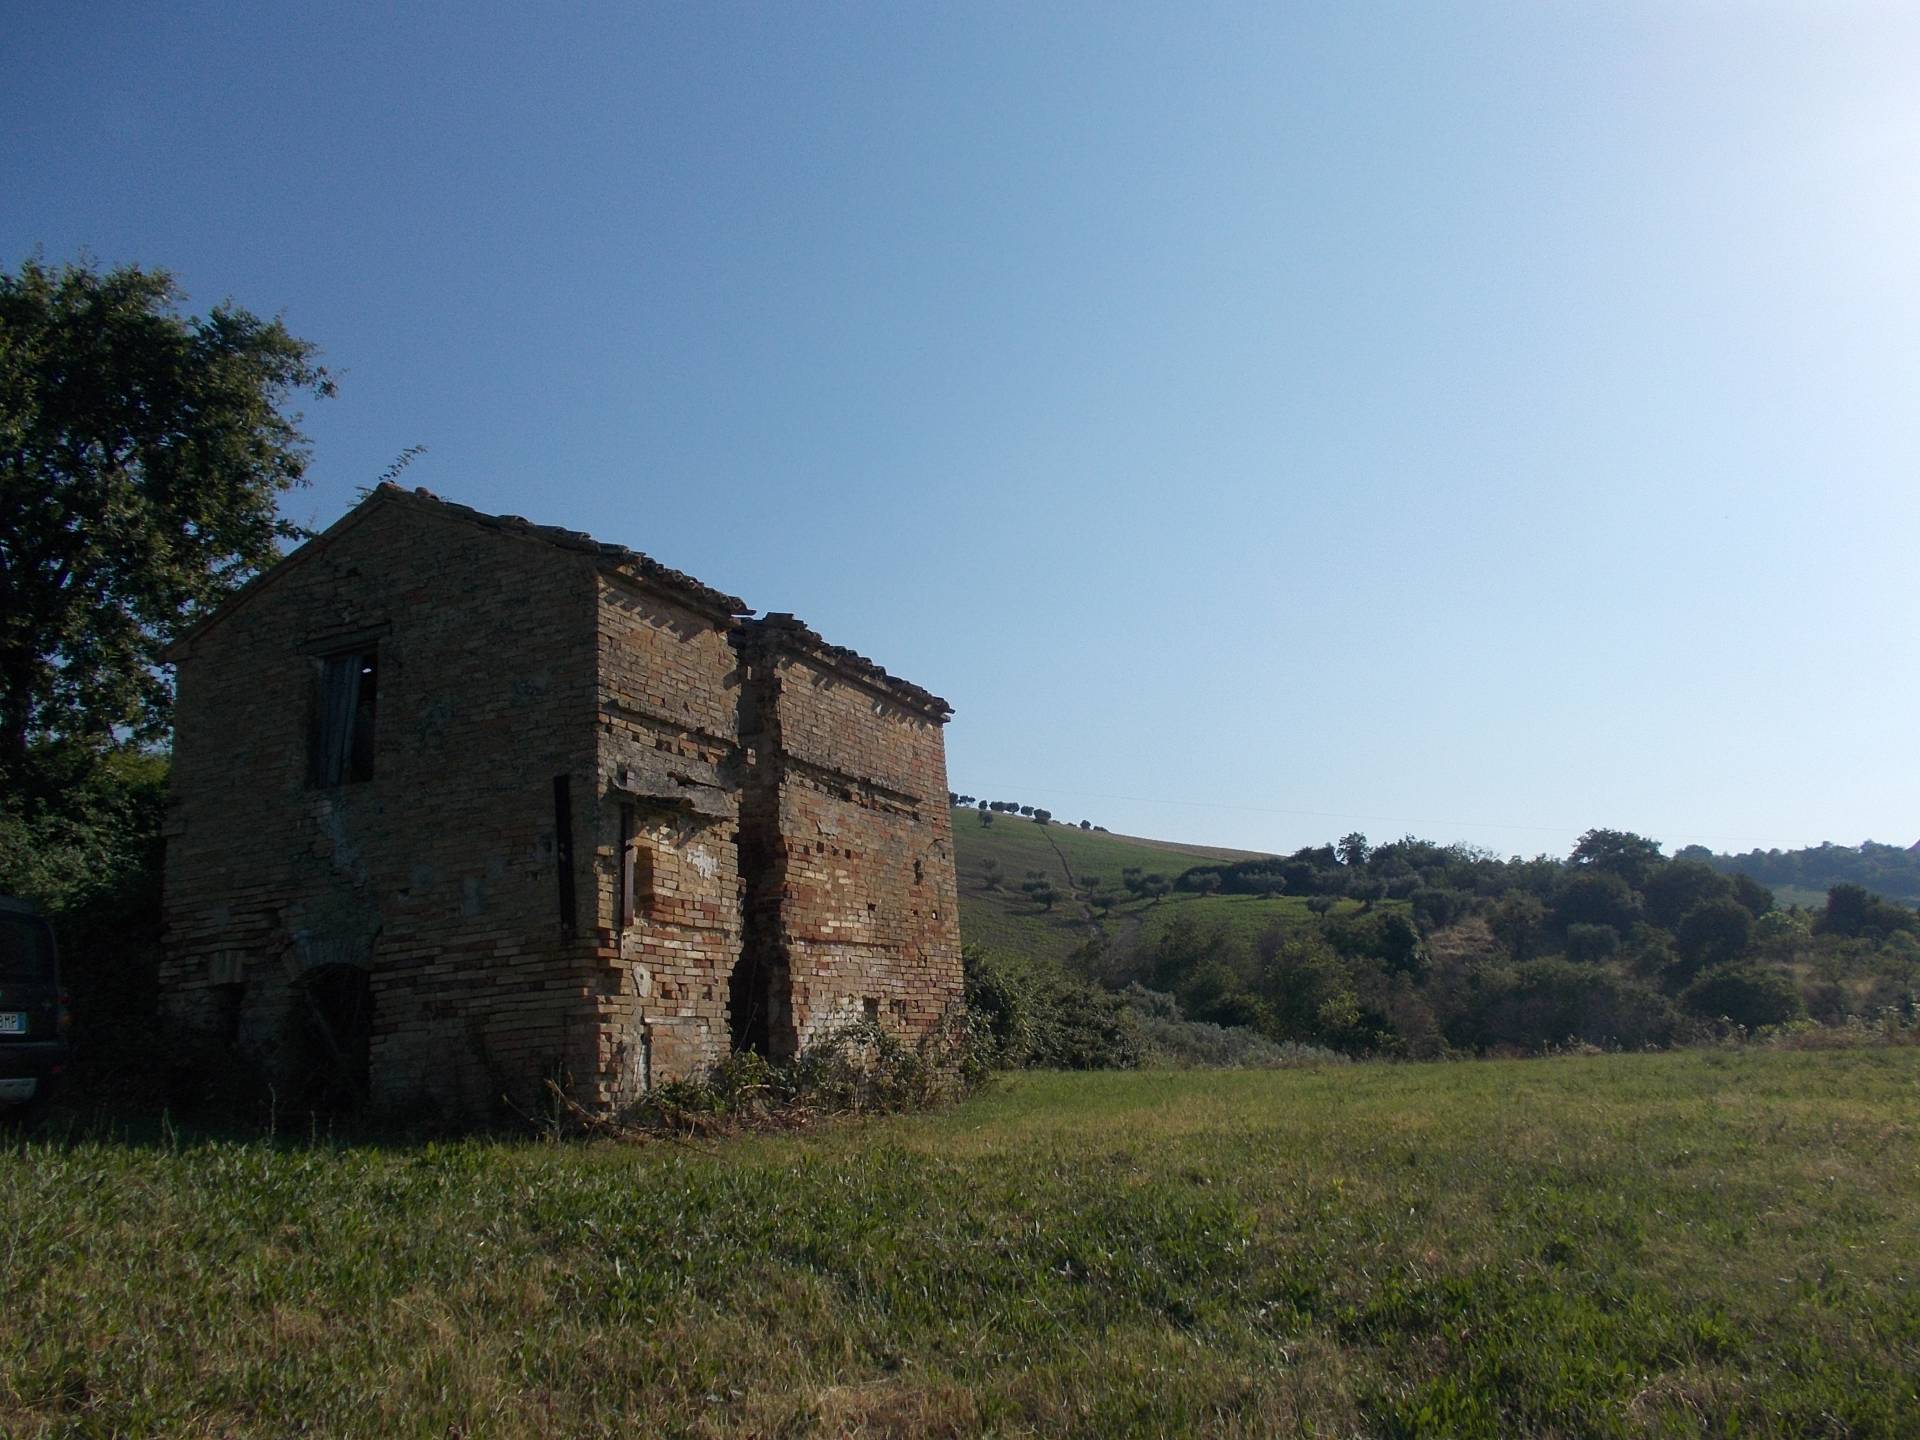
point(1710, 1242)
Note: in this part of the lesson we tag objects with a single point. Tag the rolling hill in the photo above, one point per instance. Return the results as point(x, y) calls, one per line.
point(1003, 917)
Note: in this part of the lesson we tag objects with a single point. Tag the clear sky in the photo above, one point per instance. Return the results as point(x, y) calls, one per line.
point(1479, 421)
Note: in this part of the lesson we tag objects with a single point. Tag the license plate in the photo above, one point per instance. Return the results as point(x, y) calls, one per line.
point(13, 1022)
point(18, 1089)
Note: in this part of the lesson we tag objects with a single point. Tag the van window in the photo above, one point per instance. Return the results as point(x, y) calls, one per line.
point(26, 949)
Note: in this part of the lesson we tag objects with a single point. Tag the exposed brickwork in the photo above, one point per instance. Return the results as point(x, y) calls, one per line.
point(749, 826)
point(855, 907)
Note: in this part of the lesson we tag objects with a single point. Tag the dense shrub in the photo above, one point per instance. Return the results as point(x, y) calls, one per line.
point(1717, 932)
point(1030, 1015)
point(1744, 994)
point(857, 1069)
point(1548, 1002)
point(1196, 1044)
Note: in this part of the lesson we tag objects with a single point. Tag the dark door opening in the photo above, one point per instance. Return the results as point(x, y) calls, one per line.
point(748, 1006)
point(333, 1031)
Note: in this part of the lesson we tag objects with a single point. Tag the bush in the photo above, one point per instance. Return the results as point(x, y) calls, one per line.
point(1195, 1044)
point(1028, 1015)
point(860, 1068)
point(1547, 1002)
point(1745, 995)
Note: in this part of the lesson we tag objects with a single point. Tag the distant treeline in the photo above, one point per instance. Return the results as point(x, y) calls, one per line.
point(1451, 949)
point(1889, 870)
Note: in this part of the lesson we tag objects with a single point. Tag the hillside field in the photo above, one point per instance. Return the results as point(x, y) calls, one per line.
point(1707, 1242)
point(1005, 919)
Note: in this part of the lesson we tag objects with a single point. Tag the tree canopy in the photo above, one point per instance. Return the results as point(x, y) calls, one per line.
point(142, 455)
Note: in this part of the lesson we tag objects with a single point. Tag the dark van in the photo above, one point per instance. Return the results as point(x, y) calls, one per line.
point(33, 1009)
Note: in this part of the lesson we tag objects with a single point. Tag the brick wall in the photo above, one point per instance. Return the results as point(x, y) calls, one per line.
point(669, 794)
point(440, 874)
point(855, 912)
point(756, 844)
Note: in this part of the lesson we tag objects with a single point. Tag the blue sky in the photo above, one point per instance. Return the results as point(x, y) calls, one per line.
point(1478, 421)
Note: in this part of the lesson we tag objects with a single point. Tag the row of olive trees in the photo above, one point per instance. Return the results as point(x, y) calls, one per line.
point(990, 808)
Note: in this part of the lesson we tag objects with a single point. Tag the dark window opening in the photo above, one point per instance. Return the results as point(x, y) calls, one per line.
point(344, 717)
point(871, 1007)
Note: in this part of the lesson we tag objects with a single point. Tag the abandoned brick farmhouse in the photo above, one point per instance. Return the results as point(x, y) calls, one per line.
point(463, 803)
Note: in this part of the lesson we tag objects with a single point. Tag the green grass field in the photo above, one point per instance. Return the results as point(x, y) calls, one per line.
point(1695, 1243)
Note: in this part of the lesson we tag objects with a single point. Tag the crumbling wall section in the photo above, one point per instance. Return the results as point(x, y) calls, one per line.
point(855, 914)
point(668, 874)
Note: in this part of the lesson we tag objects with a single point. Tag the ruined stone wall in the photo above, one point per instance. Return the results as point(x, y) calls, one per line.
point(857, 911)
point(440, 874)
point(668, 886)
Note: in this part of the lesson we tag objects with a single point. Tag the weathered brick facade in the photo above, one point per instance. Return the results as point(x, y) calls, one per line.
point(461, 803)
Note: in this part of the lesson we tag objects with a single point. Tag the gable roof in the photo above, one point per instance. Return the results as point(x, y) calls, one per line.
point(632, 563)
point(716, 604)
point(779, 628)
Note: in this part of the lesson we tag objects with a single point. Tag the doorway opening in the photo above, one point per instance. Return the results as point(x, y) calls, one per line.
point(333, 1037)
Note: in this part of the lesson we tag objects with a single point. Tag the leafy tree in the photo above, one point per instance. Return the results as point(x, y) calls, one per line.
point(1367, 889)
point(1435, 907)
point(1155, 885)
point(1591, 943)
point(990, 873)
point(1715, 933)
point(1042, 817)
point(1648, 952)
point(1596, 897)
point(1632, 857)
point(1852, 910)
point(1040, 889)
point(1353, 850)
point(142, 453)
point(1387, 936)
point(1681, 886)
point(1519, 923)
point(1752, 894)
